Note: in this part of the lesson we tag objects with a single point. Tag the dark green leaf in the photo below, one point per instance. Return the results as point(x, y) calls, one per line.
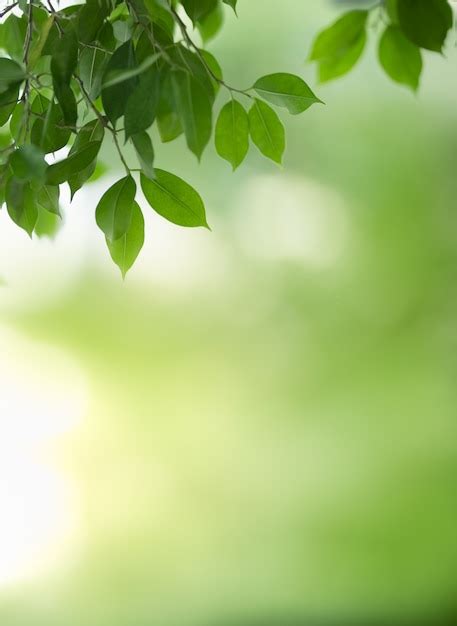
point(61, 171)
point(115, 98)
point(47, 198)
point(11, 74)
point(142, 104)
point(92, 131)
point(425, 22)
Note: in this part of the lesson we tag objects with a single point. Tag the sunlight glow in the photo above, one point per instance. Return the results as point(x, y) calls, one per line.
point(42, 397)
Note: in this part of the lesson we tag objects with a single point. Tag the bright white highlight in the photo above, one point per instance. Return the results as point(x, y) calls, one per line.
point(42, 397)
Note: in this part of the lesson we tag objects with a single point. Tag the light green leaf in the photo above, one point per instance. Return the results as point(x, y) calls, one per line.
point(341, 35)
point(174, 199)
point(114, 211)
point(400, 58)
point(47, 198)
point(286, 90)
point(124, 251)
point(267, 131)
point(232, 133)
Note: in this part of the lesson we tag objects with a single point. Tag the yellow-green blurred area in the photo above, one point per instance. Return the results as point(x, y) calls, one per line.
point(258, 428)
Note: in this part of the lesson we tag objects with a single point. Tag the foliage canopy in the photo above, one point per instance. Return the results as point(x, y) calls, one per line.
point(71, 77)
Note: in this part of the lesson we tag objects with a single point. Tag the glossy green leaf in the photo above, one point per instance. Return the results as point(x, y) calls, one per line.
point(286, 90)
point(114, 211)
point(400, 58)
point(125, 250)
point(174, 199)
point(267, 131)
point(232, 133)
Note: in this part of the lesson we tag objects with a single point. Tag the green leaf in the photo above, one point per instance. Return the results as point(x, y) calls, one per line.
point(48, 132)
point(194, 110)
point(338, 48)
point(92, 64)
point(27, 163)
point(64, 58)
point(286, 90)
point(145, 152)
point(11, 74)
point(267, 131)
point(115, 97)
point(232, 133)
point(124, 251)
point(198, 9)
point(114, 211)
point(119, 76)
point(339, 65)
point(47, 224)
point(174, 199)
point(92, 131)
point(91, 18)
point(47, 198)
point(21, 205)
point(231, 3)
point(341, 35)
point(211, 24)
point(425, 22)
point(400, 58)
point(61, 171)
point(142, 104)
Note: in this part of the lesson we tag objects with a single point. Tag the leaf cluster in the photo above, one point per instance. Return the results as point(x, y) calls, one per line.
point(406, 28)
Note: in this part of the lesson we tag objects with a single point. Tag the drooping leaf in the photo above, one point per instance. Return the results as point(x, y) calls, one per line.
point(194, 110)
point(232, 133)
point(425, 22)
point(267, 131)
point(90, 132)
point(142, 104)
point(21, 205)
point(125, 250)
point(62, 171)
point(115, 97)
point(114, 211)
point(145, 152)
point(27, 163)
point(11, 74)
point(174, 199)
point(400, 58)
point(47, 198)
point(286, 90)
point(198, 9)
point(231, 3)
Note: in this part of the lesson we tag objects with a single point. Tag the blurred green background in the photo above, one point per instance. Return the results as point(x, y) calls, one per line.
point(267, 431)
